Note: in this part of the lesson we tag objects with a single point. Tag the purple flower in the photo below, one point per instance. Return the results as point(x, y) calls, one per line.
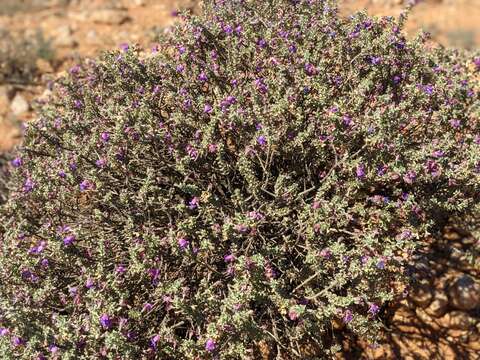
point(207, 109)
point(154, 341)
point(62, 174)
point(44, 262)
point(183, 243)
point(68, 240)
point(396, 79)
point(410, 177)
point(229, 258)
point(124, 47)
point(428, 89)
point(455, 123)
point(261, 86)
point(310, 69)
point(85, 185)
point(53, 348)
point(17, 162)
point(101, 163)
point(147, 307)
point(18, 341)
point(374, 309)
point(180, 68)
point(348, 316)
point(89, 283)
point(326, 253)
point(438, 153)
point(202, 77)
point(193, 204)
point(106, 321)
point(210, 345)
point(28, 185)
point(360, 172)
point(375, 60)
point(293, 315)
point(77, 104)
point(347, 120)
point(262, 43)
point(432, 167)
point(4, 331)
point(292, 48)
point(381, 170)
point(262, 140)
point(476, 61)
point(105, 136)
point(228, 29)
point(212, 148)
point(381, 264)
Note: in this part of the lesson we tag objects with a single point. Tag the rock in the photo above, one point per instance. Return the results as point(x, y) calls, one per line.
point(464, 293)
point(109, 16)
point(422, 294)
point(438, 306)
point(426, 319)
point(64, 37)
point(19, 105)
point(44, 66)
point(6, 93)
point(457, 320)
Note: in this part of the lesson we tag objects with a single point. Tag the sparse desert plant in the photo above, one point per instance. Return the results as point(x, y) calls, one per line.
point(270, 170)
point(19, 54)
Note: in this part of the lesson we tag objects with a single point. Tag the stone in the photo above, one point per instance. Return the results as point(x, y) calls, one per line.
point(44, 66)
point(19, 105)
point(439, 304)
point(426, 318)
point(6, 93)
point(457, 320)
point(464, 293)
point(109, 16)
point(422, 294)
point(64, 37)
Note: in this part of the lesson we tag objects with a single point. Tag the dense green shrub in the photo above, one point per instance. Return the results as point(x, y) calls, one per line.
point(271, 168)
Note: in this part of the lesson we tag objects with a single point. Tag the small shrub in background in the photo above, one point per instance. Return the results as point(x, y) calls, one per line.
point(269, 170)
point(19, 55)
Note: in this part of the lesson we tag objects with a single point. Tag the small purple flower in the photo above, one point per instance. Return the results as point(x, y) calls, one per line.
point(101, 163)
point(293, 315)
point(228, 29)
point(210, 345)
point(124, 47)
point(381, 264)
point(85, 185)
point(347, 120)
point(348, 316)
point(17, 162)
point(193, 203)
point(428, 89)
point(410, 177)
point(180, 68)
point(360, 171)
point(207, 109)
point(147, 307)
point(62, 174)
point(396, 79)
point(44, 262)
point(310, 69)
point(53, 348)
point(326, 253)
point(154, 341)
point(476, 62)
point(28, 185)
point(121, 269)
point(68, 240)
point(89, 283)
point(455, 123)
point(229, 258)
point(73, 291)
point(18, 341)
point(432, 167)
point(77, 104)
point(212, 148)
point(106, 321)
point(4, 331)
point(438, 153)
point(382, 170)
point(262, 140)
point(105, 136)
point(262, 43)
point(202, 77)
point(374, 309)
point(375, 60)
point(292, 48)
point(183, 243)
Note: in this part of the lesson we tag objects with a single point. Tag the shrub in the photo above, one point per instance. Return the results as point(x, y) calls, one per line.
point(269, 171)
point(19, 54)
